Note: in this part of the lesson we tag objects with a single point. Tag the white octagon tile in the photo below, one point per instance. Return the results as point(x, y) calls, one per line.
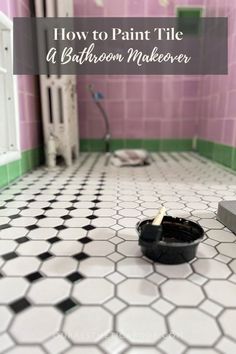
point(128, 234)
point(103, 222)
point(226, 346)
point(93, 291)
point(66, 248)
point(143, 350)
point(206, 251)
point(182, 292)
point(42, 233)
point(134, 267)
point(29, 349)
point(49, 291)
point(102, 233)
point(114, 344)
point(84, 350)
point(21, 266)
point(13, 233)
point(178, 271)
point(128, 222)
point(99, 248)
point(72, 233)
point(87, 325)
point(228, 249)
point(137, 291)
point(33, 248)
point(130, 248)
point(227, 321)
point(139, 325)
point(50, 222)
point(36, 324)
point(211, 224)
point(59, 266)
point(24, 221)
point(5, 316)
point(222, 291)
point(221, 235)
point(96, 267)
point(194, 327)
point(12, 289)
point(7, 246)
point(211, 268)
point(201, 351)
point(129, 212)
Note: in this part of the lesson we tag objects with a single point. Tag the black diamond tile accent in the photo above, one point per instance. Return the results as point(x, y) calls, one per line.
point(88, 227)
point(94, 208)
point(96, 201)
point(54, 240)
point(52, 201)
point(43, 189)
point(22, 240)
point(80, 256)
point(92, 217)
point(16, 216)
point(60, 227)
point(71, 208)
point(66, 305)
point(1, 276)
point(40, 217)
point(73, 277)
point(57, 194)
point(9, 256)
point(44, 256)
point(47, 208)
point(78, 194)
point(85, 240)
point(31, 200)
point(36, 194)
point(98, 194)
point(9, 200)
point(4, 226)
point(33, 277)
point(66, 217)
point(73, 200)
point(20, 305)
point(17, 194)
point(23, 208)
point(32, 227)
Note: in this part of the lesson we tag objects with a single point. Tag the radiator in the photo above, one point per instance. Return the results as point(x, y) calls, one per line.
point(59, 96)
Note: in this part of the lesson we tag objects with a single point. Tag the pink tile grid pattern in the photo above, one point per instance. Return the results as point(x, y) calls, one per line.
point(162, 106)
point(217, 111)
point(30, 121)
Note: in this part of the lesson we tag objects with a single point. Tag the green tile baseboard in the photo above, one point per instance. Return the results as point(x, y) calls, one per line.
point(13, 170)
point(223, 154)
point(96, 145)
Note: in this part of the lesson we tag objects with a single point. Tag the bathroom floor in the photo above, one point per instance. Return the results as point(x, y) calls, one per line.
point(73, 280)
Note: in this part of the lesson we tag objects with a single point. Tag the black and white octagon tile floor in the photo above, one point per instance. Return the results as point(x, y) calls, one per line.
point(73, 280)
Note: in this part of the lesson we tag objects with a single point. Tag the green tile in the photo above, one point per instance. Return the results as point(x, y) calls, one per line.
point(3, 176)
point(84, 145)
point(234, 159)
point(97, 145)
point(223, 154)
point(117, 144)
point(25, 163)
point(14, 170)
point(151, 145)
point(176, 145)
point(133, 143)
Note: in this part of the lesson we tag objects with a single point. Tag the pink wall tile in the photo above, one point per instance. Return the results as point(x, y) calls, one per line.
point(30, 133)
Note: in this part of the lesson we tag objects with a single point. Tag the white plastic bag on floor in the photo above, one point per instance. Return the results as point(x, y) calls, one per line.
point(130, 157)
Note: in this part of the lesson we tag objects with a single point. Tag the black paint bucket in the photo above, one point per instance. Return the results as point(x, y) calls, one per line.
point(178, 242)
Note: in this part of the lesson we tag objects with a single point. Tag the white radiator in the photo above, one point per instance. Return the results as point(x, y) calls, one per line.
point(59, 96)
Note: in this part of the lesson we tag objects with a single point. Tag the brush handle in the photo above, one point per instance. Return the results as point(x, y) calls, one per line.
point(158, 219)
